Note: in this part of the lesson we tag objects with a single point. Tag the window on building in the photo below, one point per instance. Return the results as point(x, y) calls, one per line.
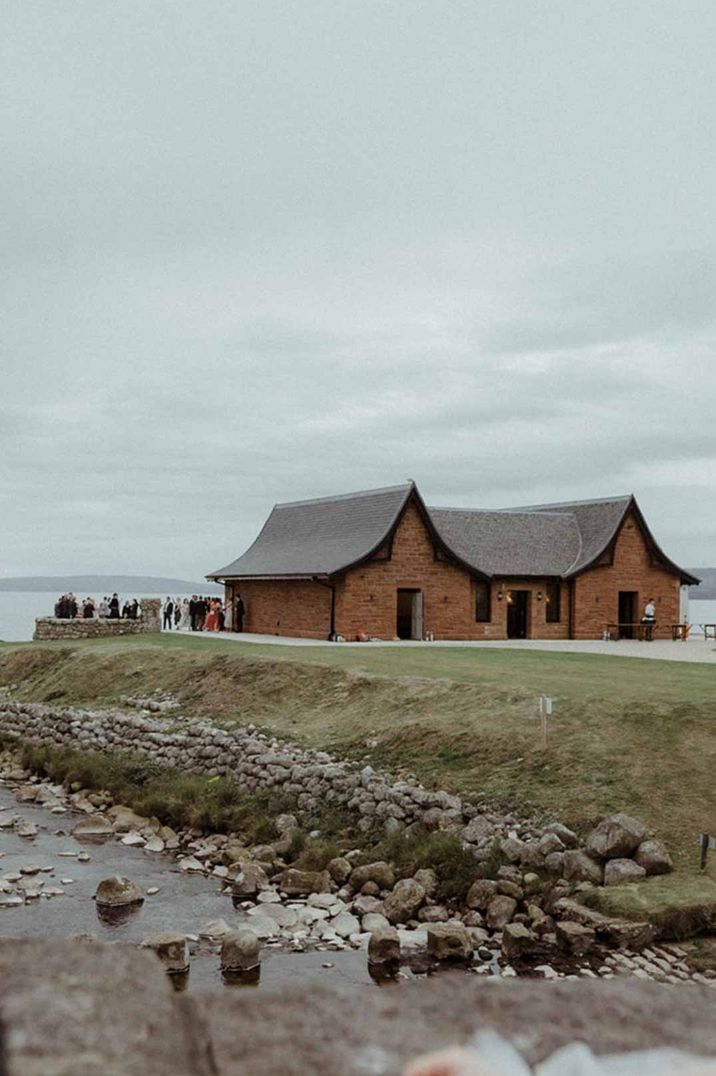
point(482, 602)
point(552, 595)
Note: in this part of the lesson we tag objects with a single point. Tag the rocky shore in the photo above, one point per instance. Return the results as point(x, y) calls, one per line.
point(525, 919)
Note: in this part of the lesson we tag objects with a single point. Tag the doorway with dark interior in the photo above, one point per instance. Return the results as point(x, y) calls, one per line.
point(518, 614)
point(628, 605)
point(409, 624)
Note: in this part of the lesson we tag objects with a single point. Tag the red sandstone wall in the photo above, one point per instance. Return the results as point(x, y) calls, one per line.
point(366, 599)
point(596, 593)
point(290, 608)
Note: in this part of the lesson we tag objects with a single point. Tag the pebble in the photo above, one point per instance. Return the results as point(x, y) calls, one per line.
point(153, 890)
point(84, 857)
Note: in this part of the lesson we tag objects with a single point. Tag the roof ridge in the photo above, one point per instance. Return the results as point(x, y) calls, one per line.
point(345, 496)
point(495, 511)
point(571, 504)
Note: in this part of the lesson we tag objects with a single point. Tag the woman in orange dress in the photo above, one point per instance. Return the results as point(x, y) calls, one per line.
point(210, 622)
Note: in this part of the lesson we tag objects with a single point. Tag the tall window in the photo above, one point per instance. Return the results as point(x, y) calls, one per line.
point(482, 602)
point(552, 594)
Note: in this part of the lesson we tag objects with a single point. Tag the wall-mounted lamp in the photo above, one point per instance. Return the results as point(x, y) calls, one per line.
point(500, 595)
point(509, 597)
point(539, 595)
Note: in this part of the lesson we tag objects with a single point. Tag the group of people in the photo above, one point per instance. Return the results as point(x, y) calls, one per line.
point(69, 608)
point(202, 614)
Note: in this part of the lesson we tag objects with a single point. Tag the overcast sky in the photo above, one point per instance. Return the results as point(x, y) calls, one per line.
point(255, 252)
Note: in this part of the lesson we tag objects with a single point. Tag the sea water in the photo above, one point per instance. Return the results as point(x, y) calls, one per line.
point(18, 610)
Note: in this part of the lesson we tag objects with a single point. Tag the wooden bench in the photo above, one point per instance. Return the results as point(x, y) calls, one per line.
point(709, 631)
point(642, 632)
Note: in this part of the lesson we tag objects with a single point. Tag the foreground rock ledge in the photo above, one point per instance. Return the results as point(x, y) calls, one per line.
point(75, 1010)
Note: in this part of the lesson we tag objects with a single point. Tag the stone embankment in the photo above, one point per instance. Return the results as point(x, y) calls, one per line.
point(50, 628)
point(615, 853)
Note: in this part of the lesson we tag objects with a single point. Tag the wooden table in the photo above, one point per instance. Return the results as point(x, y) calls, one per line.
point(640, 631)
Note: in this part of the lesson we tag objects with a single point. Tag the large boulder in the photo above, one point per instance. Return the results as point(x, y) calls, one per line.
point(481, 893)
point(500, 911)
point(621, 871)
point(384, 946)
point(654, 857)
point(248, 882)
point(94, 827)
point(616, 837)
point(567, 836)
point(118, 892)
point(449, 942)
point(382, 874)
point(404, 901)
point(578, 866)
point(428, 879)
point(517, 942)
point(298, 883)
point(340, 870)
point(171, 949)
point(477, 830)
point(125, 820)
point(240, 950)
point(574, 938)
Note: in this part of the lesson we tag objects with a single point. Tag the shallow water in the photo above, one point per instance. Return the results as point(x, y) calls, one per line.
point(185, 902)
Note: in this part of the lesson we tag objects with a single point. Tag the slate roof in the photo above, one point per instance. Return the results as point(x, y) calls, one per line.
point(329, 535)
point(320, 537)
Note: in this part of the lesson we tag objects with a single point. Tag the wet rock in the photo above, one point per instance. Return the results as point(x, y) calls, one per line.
point(11, 900)
point(384, 947)
point(621, 871)
point(345, 924)
point(28, 830)
point(578, 866)
point(172, 950)
point(574, 938)
point(500, 911)
point(190, 865)
point(340, 870)
point(118, 892)
point(481, 893)
point(404, 901)
point(154, 844)
point(517, 942)
point(380, 873)
point(298, 883)
point(616, 837)
point(248, 882)
point(364, 905)
point(215, 928)
point(449, 942)
point(654, 857)
point(284, 917)
point(133, 840)
point(125, 820)
point(93, 828)
point(240, 951)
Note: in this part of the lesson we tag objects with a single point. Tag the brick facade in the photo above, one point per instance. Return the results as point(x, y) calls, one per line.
point(366, 597)
point(596, 592)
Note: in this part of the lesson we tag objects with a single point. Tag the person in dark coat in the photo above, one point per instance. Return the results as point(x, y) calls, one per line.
point(114, 607)
point(72, 609)
point(192, 612)
point(60, 607)
point(88, 609)
point(239, 610)
point(168, 618)
point(134, 609)
point(200, 614)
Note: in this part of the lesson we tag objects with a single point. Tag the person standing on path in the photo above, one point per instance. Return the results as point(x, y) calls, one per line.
point(168, 619)
point(239, 610)
point(649, 619)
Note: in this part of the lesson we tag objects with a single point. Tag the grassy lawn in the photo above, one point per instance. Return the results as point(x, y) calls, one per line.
point(626, 734)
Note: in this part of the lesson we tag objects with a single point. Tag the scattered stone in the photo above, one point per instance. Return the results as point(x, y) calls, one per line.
point(616, 837)
point(577, 866)
point(133, 840)
point(248, 883)
point(517, 942)
point(240, 950)
point(404, 901)
point(215, 928)
point(380, 873)
point(500, 911)
point(172, 950)
point(574, 938)
point(449, 942)
point(93, 828)
point(154, 844)
point(481, 893)
point(654, 857)
point(384, 947)
point(296, 883)
point(340, 870)
point(118, 892)
point(621, 871)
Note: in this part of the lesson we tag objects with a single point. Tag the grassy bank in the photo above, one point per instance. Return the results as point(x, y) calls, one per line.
point(626, 734)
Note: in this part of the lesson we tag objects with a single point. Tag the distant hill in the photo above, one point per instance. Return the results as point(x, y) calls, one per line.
point(107, 584)
point(707, 590)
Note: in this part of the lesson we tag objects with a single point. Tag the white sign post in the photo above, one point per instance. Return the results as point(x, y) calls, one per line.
point(545, 711)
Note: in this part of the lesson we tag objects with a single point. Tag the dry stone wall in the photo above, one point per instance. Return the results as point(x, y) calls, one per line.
point(256, 761)
point(48, 628)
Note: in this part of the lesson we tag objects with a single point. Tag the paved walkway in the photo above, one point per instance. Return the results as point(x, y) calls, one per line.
point(695, 650)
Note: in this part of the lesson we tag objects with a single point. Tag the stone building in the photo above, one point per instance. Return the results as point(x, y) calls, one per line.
point(384, 564)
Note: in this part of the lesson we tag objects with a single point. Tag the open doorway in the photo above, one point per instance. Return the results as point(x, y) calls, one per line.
point(518, 614)
point(409, 623)
point(628, 605)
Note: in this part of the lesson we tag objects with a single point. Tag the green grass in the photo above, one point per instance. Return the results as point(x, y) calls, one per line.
point(680, 905)
point(627, 734)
